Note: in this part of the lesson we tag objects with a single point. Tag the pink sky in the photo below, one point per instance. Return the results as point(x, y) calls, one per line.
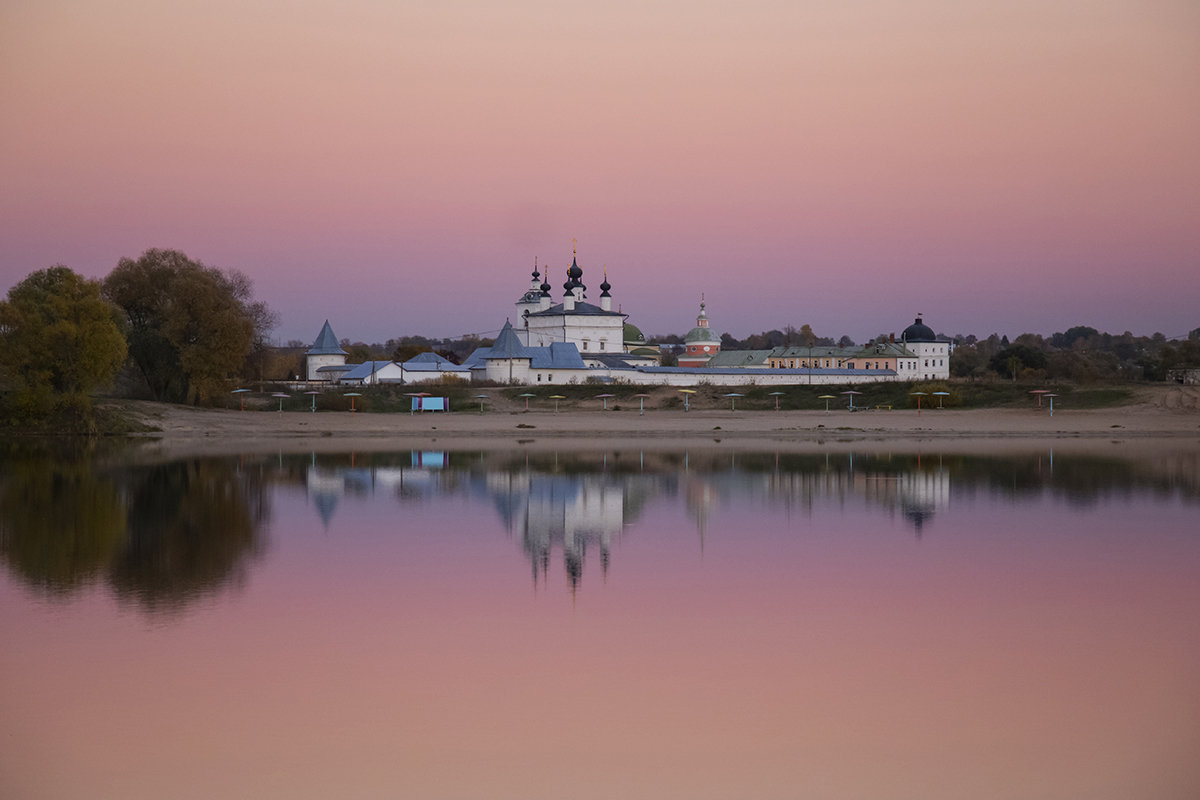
point(395, 167)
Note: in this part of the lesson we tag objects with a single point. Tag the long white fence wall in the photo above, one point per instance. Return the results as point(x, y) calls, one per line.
point(499, 370)
point(682, 376)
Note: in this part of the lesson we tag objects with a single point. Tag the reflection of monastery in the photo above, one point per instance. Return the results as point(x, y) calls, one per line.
point(583, 514)
point(574, 340)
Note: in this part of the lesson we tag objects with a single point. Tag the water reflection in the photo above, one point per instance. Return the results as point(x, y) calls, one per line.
point(159, 536)
point(162, 536)
point(727, 624)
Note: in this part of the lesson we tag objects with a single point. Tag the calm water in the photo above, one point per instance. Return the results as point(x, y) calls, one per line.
point(703, 624)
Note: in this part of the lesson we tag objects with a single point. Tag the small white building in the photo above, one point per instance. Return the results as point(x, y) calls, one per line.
point(373, 373)
point(932, 353)
point(325, 358)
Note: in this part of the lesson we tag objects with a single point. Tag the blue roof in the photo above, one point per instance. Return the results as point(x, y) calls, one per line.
point(364, 370)
point(507, 345)
point(326, 343)
point(429, 360)
point(559, 355)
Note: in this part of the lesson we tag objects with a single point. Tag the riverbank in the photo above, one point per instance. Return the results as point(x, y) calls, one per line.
point(1163, 413)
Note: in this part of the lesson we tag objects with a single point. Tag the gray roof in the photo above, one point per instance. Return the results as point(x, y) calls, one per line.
point(885, 350)
point(739, 358)
point(326, 343)
point(336, 368)
point(581, 309)
point(823, 351)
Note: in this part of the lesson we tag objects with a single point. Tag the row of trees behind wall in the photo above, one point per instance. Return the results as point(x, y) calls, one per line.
point(174, 329)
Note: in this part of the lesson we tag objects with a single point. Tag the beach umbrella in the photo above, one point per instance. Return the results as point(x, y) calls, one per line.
point(1040, 393)
point(641, 403)
point(604, 399)
point(940, 396)
point(243, 396)
point(556, 398)
point(687, 396)
point(918, 395)
point(481, 398)
point(352, 395)
point(314, 399)
point(733, 396)
point(527, 395)
point(827, 398)
point(280, 395)
point(776, 395)
point(851, 392)
point(1051, 397)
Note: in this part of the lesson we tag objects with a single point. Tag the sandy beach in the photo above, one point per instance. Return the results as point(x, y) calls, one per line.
point(1163, 417)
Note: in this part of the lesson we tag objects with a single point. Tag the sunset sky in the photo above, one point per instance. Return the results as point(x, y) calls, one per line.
point(396, 166)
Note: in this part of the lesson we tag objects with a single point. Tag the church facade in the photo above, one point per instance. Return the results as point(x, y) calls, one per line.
point(593, 329)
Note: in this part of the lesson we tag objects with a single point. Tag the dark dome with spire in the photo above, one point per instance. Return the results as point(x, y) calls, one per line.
point(604, 287)
point(918, 332)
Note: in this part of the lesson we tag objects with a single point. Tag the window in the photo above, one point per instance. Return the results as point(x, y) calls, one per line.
point(539, 377)
point(585, 344)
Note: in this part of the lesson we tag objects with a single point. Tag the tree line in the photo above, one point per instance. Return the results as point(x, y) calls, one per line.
point(180, 330)
point(1081, 353)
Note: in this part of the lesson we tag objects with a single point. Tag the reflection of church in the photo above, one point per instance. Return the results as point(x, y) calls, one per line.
point(574, 513)
point(582, 513)
point(921, 493)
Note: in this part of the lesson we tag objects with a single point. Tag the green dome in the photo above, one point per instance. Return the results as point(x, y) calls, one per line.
point(632, 333)
point(699, 334)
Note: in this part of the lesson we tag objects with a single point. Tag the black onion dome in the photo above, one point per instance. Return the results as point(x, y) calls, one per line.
point(919, 332)
point(604, 287)
point(574, 272)
point(546, 288)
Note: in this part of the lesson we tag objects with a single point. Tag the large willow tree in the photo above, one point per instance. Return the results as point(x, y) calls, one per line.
point(190, 327)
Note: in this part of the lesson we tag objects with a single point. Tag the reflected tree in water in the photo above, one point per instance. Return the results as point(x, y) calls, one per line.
point(160, 536)
point(192, 527)
point(61, 525)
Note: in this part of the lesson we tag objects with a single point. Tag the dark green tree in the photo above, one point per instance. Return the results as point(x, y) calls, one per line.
point(191, 327)
point(59, 340)
point(1012, 359)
